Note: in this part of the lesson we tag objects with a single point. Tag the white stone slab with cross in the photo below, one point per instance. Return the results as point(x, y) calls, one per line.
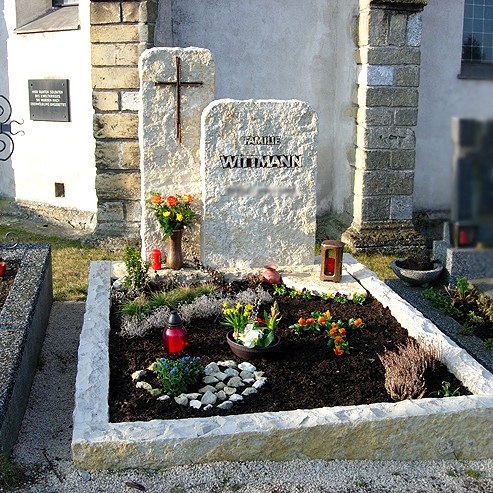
point(176, 85)
point(259, 169)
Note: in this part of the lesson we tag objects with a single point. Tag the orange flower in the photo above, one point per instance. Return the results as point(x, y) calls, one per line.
point(333, 331)
point(338, 351)
point(310, 321)
point(187, 198)
point(338, 339)
point(171, 201)
point(302, 322)
point(327, 314)
point(156, 199)
point(358, 322)
point(342, 331)
point(334, 325)
point(321, 320)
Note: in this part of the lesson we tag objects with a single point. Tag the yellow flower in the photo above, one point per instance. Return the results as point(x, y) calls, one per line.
point(179, 217)
point(238, 306)
point(247, 313)
point(225, 304)
point(166, 213)
point(249, 307)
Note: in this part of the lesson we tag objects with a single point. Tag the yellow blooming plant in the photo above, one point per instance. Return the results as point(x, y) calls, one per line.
point(249, 330)
point(173, 212)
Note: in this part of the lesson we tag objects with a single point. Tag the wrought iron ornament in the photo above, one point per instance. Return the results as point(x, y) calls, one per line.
point(11, 241)
point(178, 83)
point(6, 141)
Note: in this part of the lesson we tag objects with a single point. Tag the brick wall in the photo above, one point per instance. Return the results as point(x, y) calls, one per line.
point(120, 32)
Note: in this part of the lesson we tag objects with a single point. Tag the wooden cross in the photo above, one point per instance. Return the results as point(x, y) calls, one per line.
point(178, 83)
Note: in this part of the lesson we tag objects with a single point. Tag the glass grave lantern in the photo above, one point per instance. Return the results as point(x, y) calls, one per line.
point(175, 337)
point(331, 265)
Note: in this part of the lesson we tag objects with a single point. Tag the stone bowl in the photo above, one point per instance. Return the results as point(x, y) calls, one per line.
point(416, 277)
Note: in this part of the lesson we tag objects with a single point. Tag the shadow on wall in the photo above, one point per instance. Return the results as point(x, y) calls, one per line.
point(7, 182)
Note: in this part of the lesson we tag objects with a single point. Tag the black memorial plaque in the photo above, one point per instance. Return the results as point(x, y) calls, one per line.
point(49, 100)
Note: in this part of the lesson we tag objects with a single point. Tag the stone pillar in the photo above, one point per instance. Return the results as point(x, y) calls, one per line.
point(387, 99)
point(120, 32)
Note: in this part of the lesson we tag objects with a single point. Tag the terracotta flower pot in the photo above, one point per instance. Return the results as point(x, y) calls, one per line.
point(270, 273)
point(246, 353)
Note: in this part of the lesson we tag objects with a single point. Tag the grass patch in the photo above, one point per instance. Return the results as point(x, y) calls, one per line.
point(380, 264)
point(70, 262)
point(472, 473)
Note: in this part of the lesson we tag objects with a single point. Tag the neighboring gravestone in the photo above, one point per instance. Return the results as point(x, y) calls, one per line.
point(472, 204)
point(176, 85)
point(259, 166)
point(472, 200)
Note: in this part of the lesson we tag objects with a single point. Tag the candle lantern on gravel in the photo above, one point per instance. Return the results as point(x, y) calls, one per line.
point(331, 265)
point(175, 337)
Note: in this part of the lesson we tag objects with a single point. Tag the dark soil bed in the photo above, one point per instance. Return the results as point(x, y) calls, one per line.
point(7, 281)
point(305, 374)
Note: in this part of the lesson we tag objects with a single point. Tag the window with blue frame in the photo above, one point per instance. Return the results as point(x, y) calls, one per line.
point(477, 40)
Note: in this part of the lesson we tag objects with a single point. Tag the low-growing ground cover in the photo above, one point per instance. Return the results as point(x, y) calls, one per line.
point(462, 302)
point(304, 374)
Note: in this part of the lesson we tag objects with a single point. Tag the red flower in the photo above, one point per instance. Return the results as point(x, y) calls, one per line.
point(261, 321)
point(171, 201)
point(302, 322)
point(310, 321)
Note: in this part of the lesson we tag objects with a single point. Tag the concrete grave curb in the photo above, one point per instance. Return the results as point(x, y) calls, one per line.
point(23, 322)
point(411, 430)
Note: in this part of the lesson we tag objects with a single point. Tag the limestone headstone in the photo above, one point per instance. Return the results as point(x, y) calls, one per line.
point(259, 171)
point(170, 131)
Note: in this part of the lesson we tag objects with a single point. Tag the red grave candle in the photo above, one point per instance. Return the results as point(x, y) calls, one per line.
point(330, 264)
point(463, 237)
point(3, 266)
point(156, 259)
point(175, 337)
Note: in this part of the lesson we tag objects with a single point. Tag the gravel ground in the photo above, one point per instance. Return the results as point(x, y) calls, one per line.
point(43, 449)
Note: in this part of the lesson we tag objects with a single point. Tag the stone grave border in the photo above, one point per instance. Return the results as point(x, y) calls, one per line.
point(23, 322)
point(425, 429)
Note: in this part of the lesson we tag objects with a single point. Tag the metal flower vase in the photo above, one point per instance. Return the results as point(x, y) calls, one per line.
point(174, 255)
